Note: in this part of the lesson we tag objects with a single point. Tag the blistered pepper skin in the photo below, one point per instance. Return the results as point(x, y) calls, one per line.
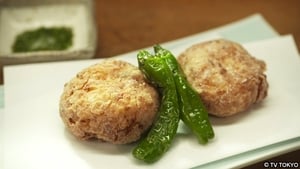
point(164, 129)
point(178, 101)
point(193, 112)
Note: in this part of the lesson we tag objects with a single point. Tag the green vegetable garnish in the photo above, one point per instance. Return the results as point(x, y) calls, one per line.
point(159, 138)
point(179, 101)
point(193, 112)
point(43, 39)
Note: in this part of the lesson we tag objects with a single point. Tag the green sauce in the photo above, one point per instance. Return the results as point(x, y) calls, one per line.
point(43, 39)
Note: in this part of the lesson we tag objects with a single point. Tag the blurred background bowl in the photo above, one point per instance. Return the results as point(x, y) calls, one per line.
point(17, 16)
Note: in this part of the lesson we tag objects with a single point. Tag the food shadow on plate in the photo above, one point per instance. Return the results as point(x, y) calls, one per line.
point(97, 146)
point(254, 110)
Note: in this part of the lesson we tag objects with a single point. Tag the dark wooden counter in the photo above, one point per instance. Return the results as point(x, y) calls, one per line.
point(125, 25)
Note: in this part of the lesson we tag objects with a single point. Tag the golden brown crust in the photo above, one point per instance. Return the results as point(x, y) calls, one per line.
point(227, 77)
point(109, 101)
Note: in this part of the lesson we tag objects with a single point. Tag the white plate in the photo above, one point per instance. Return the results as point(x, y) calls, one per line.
point(35, 137)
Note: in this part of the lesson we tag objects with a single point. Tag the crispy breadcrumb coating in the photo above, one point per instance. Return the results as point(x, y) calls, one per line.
point(228, 79)
point(110, 101)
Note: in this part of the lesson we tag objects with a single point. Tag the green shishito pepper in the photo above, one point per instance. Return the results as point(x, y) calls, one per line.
point(43, 39)
point(193, 112)
point(159, 138)
point(179, 101)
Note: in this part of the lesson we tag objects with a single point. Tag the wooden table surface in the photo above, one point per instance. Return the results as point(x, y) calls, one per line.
point(125, 25)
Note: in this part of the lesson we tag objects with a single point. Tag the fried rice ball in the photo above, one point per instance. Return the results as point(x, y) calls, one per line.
point(109, 101)
point(228, 79)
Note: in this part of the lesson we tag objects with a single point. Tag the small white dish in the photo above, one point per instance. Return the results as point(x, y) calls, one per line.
point(17, 16)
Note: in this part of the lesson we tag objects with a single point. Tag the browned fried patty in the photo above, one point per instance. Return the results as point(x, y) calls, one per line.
point(228, 79)
point(110, 101)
